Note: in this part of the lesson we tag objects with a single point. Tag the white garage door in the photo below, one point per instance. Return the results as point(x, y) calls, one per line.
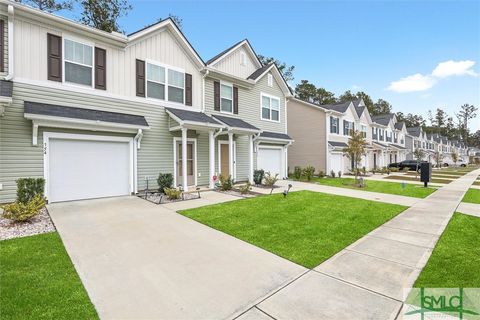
point(270, 160)
point(336, 163)
point(85, 169)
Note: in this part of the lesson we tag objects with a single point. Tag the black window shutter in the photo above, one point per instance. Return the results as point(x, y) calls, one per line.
point(216, 96)
point(2, 45)
point(188, 89)
point(337, 121)
point(235, 100)
point(344, 127)
point(100, 69)
point(140, 77)
point(54, 54)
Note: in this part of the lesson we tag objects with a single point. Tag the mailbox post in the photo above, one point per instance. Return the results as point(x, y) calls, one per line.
point(425, 173)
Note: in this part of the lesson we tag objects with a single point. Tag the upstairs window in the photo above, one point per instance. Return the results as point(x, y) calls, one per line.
point(270, 108)
point(165, 84)
point(226, 98)
point(78, 60)
point(364, 131)
point(348, 128)
point(334, 128)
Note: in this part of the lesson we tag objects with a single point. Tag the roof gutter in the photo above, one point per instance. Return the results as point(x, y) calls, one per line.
point(11, 54)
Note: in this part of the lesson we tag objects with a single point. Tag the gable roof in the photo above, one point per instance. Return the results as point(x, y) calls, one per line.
point(359, 109)
point(177, 33)
point(192, 116)
point(257, 73)
point(399, 125)
point(227, 51)
point(235, 122)
point(338, 107)
point(383, 119)
point(261, 72)
point(414, 131)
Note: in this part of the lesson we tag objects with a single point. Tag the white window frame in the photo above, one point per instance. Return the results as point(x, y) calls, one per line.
point(166, 84)
point(362, 126)
point(86, 43)
point(351, 127)
point(226, 84)
point(262, 94)
point(337, 126)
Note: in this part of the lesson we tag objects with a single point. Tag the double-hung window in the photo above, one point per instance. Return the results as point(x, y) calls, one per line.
point(78, 61)
point(364, 131)
point(334, 125)
point(165, 84)
point(270, 108)
point(226, 98)
point(348, 128)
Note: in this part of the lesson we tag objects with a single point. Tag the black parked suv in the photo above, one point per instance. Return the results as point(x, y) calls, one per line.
point(410, 164)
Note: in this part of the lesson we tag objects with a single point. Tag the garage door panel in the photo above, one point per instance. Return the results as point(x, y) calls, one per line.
point(83, 169)
point(336, 162)
point(270, 160)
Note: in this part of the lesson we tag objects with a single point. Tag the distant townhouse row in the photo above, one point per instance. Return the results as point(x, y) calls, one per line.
point(322, 132)
point(101, 114)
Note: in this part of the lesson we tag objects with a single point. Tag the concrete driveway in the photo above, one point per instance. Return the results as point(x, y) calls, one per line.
point(140, 260)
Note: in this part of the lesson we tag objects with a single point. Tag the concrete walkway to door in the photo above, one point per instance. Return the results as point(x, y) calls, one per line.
point(138, 260)
point(366, 280)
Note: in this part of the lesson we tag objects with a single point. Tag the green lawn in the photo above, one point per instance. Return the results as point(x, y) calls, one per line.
point(455, 261)
point(305, 227)
point(472, 196)
point(38, 281)
point(408, 178)
point(411, 190)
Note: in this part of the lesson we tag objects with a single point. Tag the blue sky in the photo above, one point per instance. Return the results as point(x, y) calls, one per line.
point(342, 45)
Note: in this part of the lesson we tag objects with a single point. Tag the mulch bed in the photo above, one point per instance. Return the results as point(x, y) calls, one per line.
point(41, 223)
point(160, 198)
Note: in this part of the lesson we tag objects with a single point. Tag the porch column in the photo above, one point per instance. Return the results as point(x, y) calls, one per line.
point(184, 159)
point(230, 154)
point(211, 158)
point(250, 157)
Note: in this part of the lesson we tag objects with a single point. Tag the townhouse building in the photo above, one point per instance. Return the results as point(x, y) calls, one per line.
point(102, 114)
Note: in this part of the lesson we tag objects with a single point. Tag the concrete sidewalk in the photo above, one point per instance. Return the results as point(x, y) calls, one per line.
point(366, 280)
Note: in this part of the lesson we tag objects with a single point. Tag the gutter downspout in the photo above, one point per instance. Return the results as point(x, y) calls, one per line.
point(11, 14)
point(138, 137)
point(203, 90)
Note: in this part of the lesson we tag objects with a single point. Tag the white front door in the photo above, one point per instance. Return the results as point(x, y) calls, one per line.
point(270, 160)
point(85, 169)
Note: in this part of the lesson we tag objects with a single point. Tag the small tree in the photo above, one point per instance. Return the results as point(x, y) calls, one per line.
point(356, 149)
point(438, 158)
point(454, 158)
point(418, 154)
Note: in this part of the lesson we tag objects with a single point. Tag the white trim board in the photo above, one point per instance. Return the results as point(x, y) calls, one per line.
point(220, 142)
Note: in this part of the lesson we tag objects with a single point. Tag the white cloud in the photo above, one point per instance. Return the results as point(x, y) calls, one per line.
point(416, 82)
point(420, 82)
point(454, 68)
point(356, 87)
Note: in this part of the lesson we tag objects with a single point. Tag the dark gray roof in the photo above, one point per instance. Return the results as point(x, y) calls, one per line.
point(85, 114)
point(399, 147)
point(225, 51)
point(414, 131)
point(187, 115)
point(339, 107)
point(399, 125)
point(6, 88)
point(257, 73)
point(275, 135)
point(360, 110)
point(235, 122)
point(337, 144)
point(382, 119)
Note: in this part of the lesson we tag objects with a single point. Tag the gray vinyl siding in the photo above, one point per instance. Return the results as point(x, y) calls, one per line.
point(18, 158)
point(249, 107)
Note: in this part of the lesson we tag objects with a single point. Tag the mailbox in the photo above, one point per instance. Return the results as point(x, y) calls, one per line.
point(425, 172)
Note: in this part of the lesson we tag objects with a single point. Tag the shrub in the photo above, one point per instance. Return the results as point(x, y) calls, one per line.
point(164, 181)
point(332, 174)
point(226, 183)
point(19, 211)
point(172, 193)
point(308, 172)
point(245, 188)
point(297, 172)
point(321, 174)
point(258, 176)
point(339, 174)
point(394, 169)
point(28, 188)
point(270, 180)
point(405, 169)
